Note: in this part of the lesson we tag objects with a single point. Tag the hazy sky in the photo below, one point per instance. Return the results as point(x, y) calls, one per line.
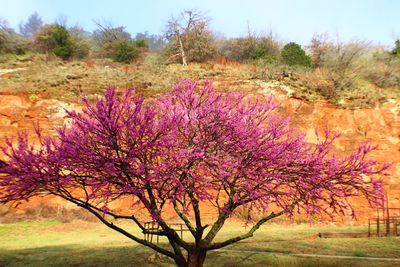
point(291, 20)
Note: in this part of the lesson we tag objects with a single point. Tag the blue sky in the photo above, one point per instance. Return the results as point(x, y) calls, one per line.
point(291, 20)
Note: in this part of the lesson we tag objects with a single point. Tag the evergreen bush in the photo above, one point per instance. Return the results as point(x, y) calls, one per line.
point(293, 55)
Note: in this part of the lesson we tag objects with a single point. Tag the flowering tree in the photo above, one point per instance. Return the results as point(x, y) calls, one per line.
point(191, 146)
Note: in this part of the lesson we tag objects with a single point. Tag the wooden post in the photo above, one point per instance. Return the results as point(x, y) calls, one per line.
point(387, 216)
point(148, 234)
point(158, 237)
point(145, 227)
point(369, 228)
point(181, 231)
point(151, 235)
point(377, 224)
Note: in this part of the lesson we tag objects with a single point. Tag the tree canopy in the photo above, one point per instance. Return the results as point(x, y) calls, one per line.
point(33, 24)
point(190, 146)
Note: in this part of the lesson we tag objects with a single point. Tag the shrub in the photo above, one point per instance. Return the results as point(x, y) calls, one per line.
point(292, 55)
point(42, 39)
point(238, 49)
point(154, 42)
point(117, 43)
point(44, 211)
point(320, 80)
point(385, 70)
point(251, 48)
point(107, 38)
point(80, 49)
point(10, 41)
point(63, 44)
point(20, 51)
point(396, 49)
point(125, 52)
point(54, 39)
point(81, 42)
point(345, 63)
point(266, 50)
point(141, 43)
point(259, 51)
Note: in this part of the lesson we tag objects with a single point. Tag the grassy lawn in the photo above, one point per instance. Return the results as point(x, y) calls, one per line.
point(52, 243)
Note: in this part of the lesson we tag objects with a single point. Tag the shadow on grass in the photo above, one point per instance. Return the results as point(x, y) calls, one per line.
point(249, 259)
point(75, 255)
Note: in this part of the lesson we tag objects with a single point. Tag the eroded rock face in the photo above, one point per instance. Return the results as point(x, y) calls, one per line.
point(380, 126)
point(18, 113)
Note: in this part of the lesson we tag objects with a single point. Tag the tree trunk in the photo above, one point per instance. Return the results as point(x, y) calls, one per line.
point(180, 262)
point(196, 259)
point(181, 49)
point(183, 55)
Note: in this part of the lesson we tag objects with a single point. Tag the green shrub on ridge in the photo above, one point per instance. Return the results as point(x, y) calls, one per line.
point(293, 55)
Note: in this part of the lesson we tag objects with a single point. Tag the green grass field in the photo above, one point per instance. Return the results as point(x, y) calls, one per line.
point(52, 243)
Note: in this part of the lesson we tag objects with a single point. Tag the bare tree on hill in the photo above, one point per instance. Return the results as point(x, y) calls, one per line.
point(189, 37)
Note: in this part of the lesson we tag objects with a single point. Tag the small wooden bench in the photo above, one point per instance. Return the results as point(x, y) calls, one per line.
point(154, 227)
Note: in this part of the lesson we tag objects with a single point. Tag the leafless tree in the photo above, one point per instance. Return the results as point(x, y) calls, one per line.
point(344, 61)
point(189, 37)
point(318, 47)
point(107, 37)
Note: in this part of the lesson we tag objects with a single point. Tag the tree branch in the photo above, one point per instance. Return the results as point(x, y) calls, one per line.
point(120, 230)
point(246, 235)
point(253, 229)
point(185, 219)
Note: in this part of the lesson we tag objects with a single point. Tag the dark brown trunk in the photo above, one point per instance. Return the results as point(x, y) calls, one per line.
point(196, 259)
point(180, 262)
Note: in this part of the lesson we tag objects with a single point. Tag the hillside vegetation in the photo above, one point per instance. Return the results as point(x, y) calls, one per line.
point(39, 78)
point(52, 60)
